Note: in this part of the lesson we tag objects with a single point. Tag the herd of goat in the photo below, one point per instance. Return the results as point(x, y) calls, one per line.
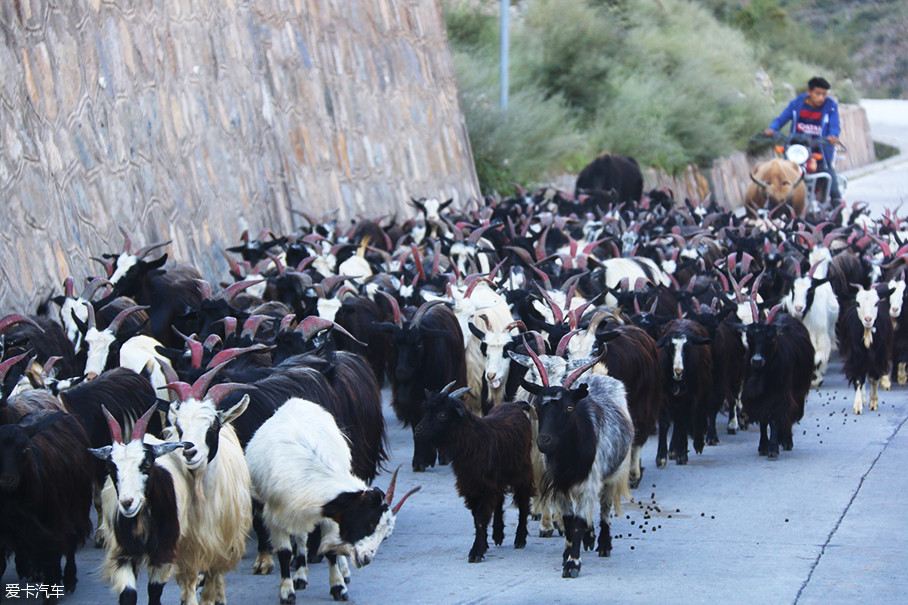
point(533, 342)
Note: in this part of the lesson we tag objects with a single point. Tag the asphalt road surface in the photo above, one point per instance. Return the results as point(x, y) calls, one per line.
point(825, 523)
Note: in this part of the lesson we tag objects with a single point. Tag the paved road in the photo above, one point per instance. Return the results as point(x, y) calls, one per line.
point(825, 523)
point(885, 184)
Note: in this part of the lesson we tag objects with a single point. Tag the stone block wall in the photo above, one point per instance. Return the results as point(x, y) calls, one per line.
point(191, 120)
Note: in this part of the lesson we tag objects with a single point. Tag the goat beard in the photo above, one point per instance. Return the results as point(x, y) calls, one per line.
point(868, 337)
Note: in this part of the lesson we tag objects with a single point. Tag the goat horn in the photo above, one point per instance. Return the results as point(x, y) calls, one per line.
point(91, 315)
point(219, 391)
point(251, 325)
point(141, 425)
point(211, 342)
point(15, 318)
point(200, 386)
point(143, 252)
point(563, 343)
point(182, 389)
point(573, 376)
point(314, 324)
point(116, 433)
point(390, 493)
point(8, 363)
point(516, 324)
point(398, 319)
point(228, 354)
point(69, 287)
point(539, 367)
point(456, 394)
point(93, 286)
point(396, 509)
point(447, 388)
point(204, 288)
point(236, 287)
point(108, 266)
point(170, 374)
point(122, 315)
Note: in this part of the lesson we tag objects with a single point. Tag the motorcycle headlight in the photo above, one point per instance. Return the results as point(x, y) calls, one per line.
point(797, 154)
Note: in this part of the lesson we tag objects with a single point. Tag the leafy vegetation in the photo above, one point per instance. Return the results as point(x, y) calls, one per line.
point(669, 82)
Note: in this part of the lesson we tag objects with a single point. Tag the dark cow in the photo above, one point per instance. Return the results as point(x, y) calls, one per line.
point(611, 172)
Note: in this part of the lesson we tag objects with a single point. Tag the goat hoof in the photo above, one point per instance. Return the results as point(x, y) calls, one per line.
point(732, 431)
point(535, 516)
point(476, 557)
point(300, 584)
point(571, 570)
point(546, 533)
point(712, 441)
point(605, 552)
point(773, 455)
point(520, 544)
point(289, 599)
point(340, 593)
point(661, 461)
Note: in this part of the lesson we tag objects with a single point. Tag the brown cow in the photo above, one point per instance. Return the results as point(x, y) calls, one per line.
point(778, 182)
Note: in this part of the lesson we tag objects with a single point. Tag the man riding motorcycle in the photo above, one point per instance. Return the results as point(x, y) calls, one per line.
point(814, 114)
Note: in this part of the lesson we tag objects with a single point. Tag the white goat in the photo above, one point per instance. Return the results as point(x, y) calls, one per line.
point(813, 301)
point(300, 467)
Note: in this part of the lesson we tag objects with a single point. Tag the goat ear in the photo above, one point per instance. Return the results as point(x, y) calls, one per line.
point(582, 391)
point(700, 340)
point(162, 404)
point(162, 449)
point(101, 452)
point(235, 411)
point(336, 507)
point(535, 389)
point(523, 360)
point(38, 421)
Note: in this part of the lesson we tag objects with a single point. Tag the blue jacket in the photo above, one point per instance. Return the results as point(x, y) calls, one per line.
point(830, 126)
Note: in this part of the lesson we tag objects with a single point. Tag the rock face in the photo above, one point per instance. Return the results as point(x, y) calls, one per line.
point(192, 121)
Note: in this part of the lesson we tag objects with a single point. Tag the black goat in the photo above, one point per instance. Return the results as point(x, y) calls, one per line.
point(45, 482)
point(781, 369)
point(585, 433)
point(427, 353)
point(687, 368)
point(490, 456)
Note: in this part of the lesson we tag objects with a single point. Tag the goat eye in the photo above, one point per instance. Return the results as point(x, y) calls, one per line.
point(442, 415)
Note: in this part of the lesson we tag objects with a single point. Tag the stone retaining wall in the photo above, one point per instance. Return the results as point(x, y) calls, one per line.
point(191, 120)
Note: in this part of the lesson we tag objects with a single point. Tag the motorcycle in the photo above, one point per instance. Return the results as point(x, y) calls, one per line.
point(807, 152)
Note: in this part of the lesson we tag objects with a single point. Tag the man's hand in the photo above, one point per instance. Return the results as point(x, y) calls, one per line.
point(833, 140)
point(769, 132)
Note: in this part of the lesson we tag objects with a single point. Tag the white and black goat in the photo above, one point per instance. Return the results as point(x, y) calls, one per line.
point(147, 501)
point(865, 343)
point(221, 512)
point(300, 466)
point(813, 301)
point(490, 456)
point(585, 433)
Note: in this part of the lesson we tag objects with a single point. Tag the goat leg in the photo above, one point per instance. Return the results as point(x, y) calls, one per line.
point(264, 561)
point(522, 499)
point(481, 517)
point(336, 578)
point(571, 568)
point(498, 521)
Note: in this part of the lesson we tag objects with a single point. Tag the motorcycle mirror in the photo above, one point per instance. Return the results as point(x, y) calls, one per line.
point(797, 154)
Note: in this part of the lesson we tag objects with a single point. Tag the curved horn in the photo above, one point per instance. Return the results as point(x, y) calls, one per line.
point(182, 389)
point(398, 318)
point(92, 287)
point(200, 386)
point(122, 315)
point(141, 425)
point(108, 266)
point(573, 376)
point(456, 394)
point(396, 509)
point(15, 318)
point(563, 343)
point(251, 325)
point(170, 374)
point(219, 391)
point(69, 287)
point(143, 252)
point(9, 363)
point(389, 494)
point(314, 324)
point(539, 367)
point(758, 181)
point(91, 315)
point(116, 433)
point(228, 354)
point(236, 287)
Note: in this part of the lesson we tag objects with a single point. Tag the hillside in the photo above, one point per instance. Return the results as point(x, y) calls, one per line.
point(875, 33)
